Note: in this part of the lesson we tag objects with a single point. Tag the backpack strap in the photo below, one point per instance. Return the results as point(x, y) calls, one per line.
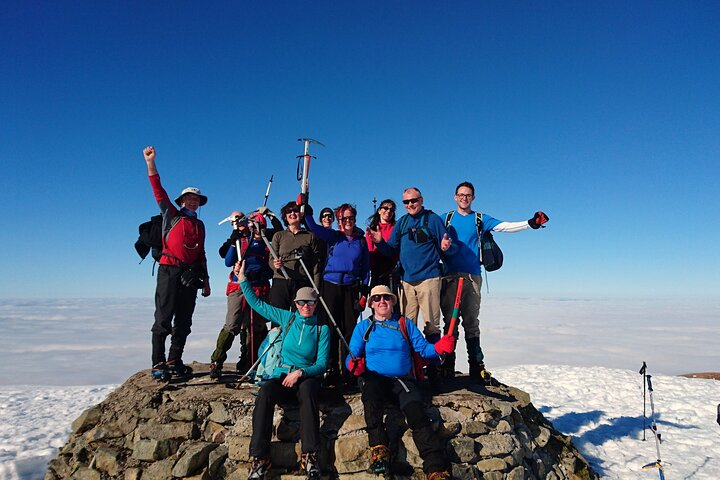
point(403, 329)
point(448, 218)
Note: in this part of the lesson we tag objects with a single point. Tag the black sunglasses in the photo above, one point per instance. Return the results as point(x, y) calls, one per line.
point(292, 211)
point(383, 296)
point(326, 215)
point(302, 303)
point(386, 207)
point(411, 200)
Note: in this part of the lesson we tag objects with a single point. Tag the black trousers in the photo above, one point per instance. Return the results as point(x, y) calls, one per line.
point(282, 292)
point(376, 391)
point(174, 307)
point(342, 303)
point(271, 393)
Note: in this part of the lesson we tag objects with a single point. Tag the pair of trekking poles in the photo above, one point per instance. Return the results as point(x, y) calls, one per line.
point(647, 380)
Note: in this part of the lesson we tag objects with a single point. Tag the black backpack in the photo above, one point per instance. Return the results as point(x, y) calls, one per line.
point(150, 238)
point(491, 257)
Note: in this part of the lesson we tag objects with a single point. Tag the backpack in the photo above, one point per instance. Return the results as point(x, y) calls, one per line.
point(416, 361)
point(491, 257)
point(271, 351)
point(422, 234)
point(150, 238)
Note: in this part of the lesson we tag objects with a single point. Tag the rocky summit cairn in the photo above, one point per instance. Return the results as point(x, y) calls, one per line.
point(201, 430)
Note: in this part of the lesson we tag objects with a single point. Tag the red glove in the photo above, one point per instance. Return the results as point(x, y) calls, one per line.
point(357, 366)
point(538, 220)
point(445, 345)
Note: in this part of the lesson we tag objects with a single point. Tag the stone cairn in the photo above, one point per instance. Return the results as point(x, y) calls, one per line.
point(201, 431)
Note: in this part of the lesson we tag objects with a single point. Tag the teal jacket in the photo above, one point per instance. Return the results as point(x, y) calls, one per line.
point(300, 347)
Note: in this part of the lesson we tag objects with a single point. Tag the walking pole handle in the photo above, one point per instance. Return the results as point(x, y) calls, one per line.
point(456, 306)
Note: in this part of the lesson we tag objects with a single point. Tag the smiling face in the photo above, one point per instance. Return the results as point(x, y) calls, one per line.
point(382, 306)
point(346, 222)
point(326, 219)
point(412, 200)
point(307, 310)
point(464, 198)
point(190, 201)
point(292, 216)
point(386, 212)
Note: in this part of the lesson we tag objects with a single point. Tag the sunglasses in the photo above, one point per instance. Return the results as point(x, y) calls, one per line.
point(385, 207)
point(292, 211)
point(383, 296)
point(326, 215)
point(351, 218)
point(411, 200)
point(302, 303)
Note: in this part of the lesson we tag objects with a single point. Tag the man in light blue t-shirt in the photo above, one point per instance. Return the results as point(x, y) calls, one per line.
point(462, 225)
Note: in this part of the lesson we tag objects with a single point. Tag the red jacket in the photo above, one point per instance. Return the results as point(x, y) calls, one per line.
point(183, 236)
point(381, 265)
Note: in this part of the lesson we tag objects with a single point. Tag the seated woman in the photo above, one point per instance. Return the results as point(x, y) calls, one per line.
point(305, 346)
point(382, 346)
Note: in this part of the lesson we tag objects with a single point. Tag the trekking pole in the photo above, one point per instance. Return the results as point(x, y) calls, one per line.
point(267, 192)
point(653, 427)
point(642, 372)
point(272, 250)
point(252, 336)
point(305, 171)
point(327, 310)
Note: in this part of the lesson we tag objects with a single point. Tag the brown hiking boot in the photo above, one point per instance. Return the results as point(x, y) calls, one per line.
point(380, 460)
point(439, 476)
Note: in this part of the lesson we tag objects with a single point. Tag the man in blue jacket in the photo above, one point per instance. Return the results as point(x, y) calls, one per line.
point(420, 238)
point(466, 228)
point(305, 347)
point(382, 354)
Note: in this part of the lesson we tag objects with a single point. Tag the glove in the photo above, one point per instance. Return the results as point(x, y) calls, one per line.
point(263, 210)
point(537, 221)
point(234, 237)
point(445, 345)
point(357, 366)
point(308, 210)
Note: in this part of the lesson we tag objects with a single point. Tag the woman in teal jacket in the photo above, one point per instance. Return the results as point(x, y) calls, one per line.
point(305, 347)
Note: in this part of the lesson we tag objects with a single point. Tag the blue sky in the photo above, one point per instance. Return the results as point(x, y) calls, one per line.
point(603, 114)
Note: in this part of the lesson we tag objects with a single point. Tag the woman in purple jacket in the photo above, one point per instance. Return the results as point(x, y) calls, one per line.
point(345, 278)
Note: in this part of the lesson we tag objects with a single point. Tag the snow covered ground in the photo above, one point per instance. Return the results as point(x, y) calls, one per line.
point(598, 400)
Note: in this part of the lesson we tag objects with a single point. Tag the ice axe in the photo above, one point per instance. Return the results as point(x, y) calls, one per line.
point(455, 310)
point(267, 192)
point(303, 177)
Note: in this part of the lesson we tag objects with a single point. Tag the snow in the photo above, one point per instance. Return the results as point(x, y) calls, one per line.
point(598, 404)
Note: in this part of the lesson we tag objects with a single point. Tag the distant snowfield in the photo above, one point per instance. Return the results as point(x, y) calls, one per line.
point(528, 344)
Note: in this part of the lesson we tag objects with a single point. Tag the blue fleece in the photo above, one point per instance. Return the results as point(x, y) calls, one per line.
point(420, 261)
point(348, 260)
point(463, 231)
point(300, 343)
point(386, 352)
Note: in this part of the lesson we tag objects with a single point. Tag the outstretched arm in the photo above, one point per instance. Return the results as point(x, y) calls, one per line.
point(149, 154)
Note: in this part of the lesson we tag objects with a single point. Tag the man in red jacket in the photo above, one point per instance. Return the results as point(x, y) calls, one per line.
point(182, 271)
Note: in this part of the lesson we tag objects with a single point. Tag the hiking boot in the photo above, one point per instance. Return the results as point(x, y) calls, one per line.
point(479, 374)
point(447, 369)
point(380, 460)
point(178, 368)
point(310, 465)
point(259, 468)
point(439, 476)
point(216, 370)
point(160, 372)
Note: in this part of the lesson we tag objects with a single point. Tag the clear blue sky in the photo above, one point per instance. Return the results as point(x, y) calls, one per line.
point(606, 115)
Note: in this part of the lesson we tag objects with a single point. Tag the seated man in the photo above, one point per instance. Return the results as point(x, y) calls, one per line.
point(381, 352)
point(305, 347)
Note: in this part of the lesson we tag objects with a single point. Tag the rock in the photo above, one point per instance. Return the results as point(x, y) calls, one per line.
point(106, 460)
point(238, 448)
point(517, 473)
point(464, 449)
point(161, 470)
point(491, 465)
point(132, 474)
point(495, 445)
point(351, 454)
point(87, 419)
point(194, 458)
point(151, 450)
point(473, 428)
point(184, 415)
point(168, 431)
point(216, 459)
point(464, 472)
point(85, 473)
point(219, 413)
point(352, 424)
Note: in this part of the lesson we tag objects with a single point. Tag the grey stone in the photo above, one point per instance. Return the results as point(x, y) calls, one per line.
point(132, 474)
point(219, 413)
point(351, 454)
point(493, 476)
point(87, 420)
point(85, 473)
point(150, 450)
point(102, 432)
point(184, 430)
point(147, 413)
point(464, 472)
point(491, 465)
point(238, 448)
point(464, 449)
point(495, 445)
point(473, 428)
point(503, 426)
point(193, 459)
point(216, 459)
point(352, 424)
point(161, 470)
point(106, 460)
point(543, 437)
point(184, 415)
point(517, 473)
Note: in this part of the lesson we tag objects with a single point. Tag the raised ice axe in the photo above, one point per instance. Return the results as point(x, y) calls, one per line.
point(305, 171)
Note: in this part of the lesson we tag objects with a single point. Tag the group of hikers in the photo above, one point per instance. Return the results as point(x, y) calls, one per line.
point(314, 282)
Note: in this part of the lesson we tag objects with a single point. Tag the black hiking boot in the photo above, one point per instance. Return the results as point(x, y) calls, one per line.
point(310, 465)
point(216, 370)
point(479, 374)
point(160, 372)
point(447, 369)
point(259, 468)
point(178, 369)
point(380, 460)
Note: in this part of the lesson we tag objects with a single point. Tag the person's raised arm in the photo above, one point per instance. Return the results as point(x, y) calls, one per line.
point(149, 154)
